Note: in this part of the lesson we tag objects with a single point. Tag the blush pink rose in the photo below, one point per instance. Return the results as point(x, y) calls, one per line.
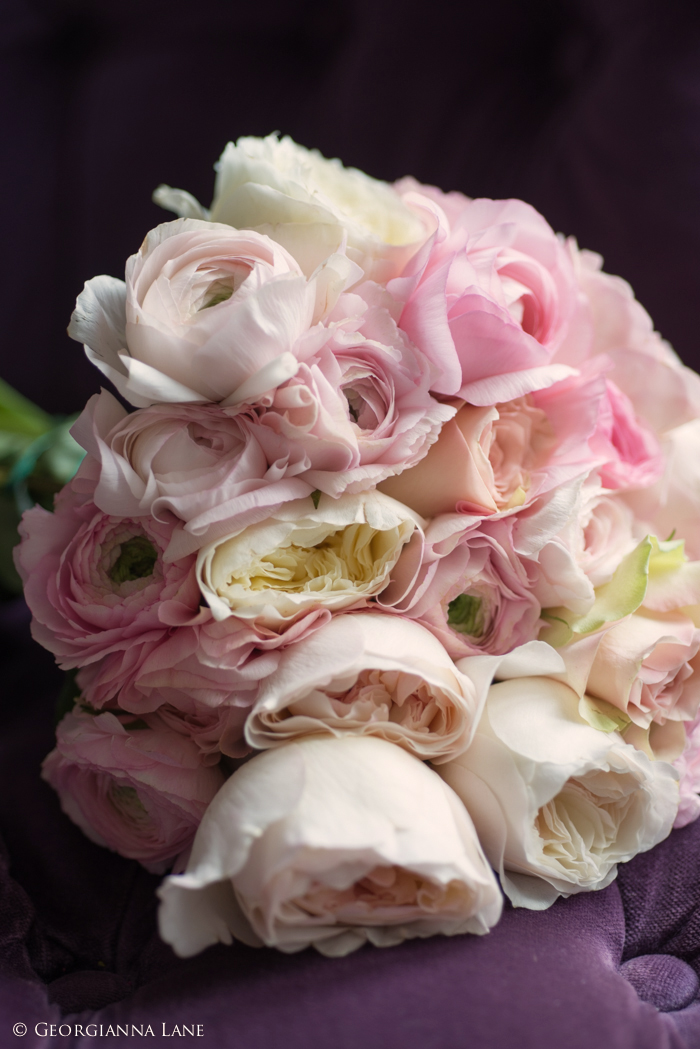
point(498, 458)
point(202, 463)
point(96, 583)
point(139, 791)
point(490, 297)
point(360, 406)
point(646, 666)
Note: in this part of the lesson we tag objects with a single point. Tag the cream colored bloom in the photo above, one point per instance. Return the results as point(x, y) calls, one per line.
point(309, 205)
point(335, 556)
point(330, 843)
point(557, 804)
point(372, 675)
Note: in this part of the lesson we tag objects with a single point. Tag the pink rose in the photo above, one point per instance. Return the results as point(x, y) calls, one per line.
point(140, 791)
point(360, 406)
point(203, 463)
point(489, 299)
point(645, 665)
point(370, 675)
point(208, 313)
point(97, 583)
point(500, 457)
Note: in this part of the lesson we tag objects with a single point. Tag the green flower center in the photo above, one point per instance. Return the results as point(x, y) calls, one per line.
point(466, 615)
point(137, 558)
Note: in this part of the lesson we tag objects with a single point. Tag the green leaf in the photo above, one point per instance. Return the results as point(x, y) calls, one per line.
point(19, 415)
point(316, 498)
point(613, 601)
point(602, 715)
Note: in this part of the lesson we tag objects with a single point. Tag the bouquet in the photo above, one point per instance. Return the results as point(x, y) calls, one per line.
point(380, 598)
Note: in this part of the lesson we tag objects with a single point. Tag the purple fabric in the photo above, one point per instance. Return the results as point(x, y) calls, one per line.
point(589, 109)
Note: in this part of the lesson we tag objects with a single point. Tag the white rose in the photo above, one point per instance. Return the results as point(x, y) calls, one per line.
point(370, 675)
point(302, 557)
point(330, 842)
point(309, 205)
point(557, 804)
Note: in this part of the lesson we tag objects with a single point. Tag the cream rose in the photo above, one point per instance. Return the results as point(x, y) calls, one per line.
point(330, 843)
point(371, 675)
point(336, 555)
point(557, 804)
point(309, 205)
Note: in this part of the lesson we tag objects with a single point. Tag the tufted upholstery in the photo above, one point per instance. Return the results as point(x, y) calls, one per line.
point(589, 109)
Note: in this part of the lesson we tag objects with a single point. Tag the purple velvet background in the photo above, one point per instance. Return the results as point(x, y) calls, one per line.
point(589, 109)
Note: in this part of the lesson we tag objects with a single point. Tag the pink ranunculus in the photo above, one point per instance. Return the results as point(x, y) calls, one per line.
point(360, 405)
point(489, 299)
point(97, 583)
point(497, 458)
point(473, 591)
point(688, 765)
point(209, 673)
point(208, 313)
point(141, 791)
point(203, 463)
point(633, 454)
point(662, 391)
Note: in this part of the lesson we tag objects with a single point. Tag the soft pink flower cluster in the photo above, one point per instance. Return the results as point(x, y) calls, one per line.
point(377, 438)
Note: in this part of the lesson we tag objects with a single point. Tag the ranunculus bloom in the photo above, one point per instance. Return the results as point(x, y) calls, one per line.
point(302, 558)
point(207, 313)
point(557, 804)
point(96, 583)
point(360, 406)
point(330, 843)
point(489, 299)
point(203, 463)
point(141, 791)
point(473, 591)
point(610, 321)
point(308, 204)
point(633, 454)
point(372, 675)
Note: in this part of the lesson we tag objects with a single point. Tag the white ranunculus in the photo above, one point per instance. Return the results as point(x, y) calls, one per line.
point(557, 804)
point(302, 557)
point(330, 842)
point(207, 313)
point(308, 204)
point(372, 675)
